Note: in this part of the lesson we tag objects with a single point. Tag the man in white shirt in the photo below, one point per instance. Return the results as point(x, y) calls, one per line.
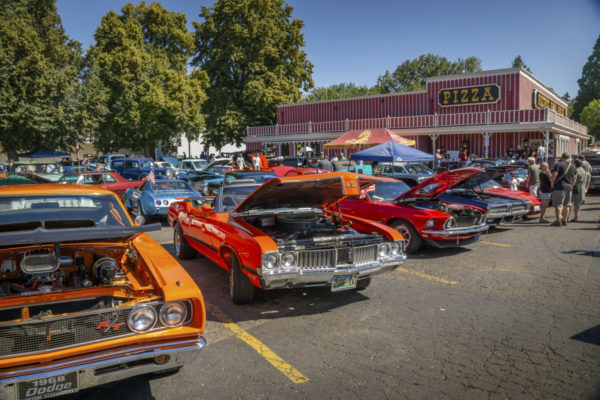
point(240, 161)
point(256, 162)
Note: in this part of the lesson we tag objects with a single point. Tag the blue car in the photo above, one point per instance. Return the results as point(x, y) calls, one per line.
point(153, 199)
point(137, 168)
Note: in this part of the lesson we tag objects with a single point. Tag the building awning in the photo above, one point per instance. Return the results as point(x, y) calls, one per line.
point(361, 139)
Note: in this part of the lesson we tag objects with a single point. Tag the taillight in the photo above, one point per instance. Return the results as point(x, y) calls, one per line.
point(158, 202)
point(165, 202)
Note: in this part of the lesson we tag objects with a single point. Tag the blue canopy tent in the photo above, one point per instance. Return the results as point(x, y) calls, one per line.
point(43, 152)
point(392, 151)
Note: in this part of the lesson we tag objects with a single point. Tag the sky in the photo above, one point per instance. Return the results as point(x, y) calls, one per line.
point(358, 40)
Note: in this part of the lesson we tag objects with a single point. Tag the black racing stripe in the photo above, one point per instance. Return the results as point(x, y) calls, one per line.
point(248, 269)
point(202, 243)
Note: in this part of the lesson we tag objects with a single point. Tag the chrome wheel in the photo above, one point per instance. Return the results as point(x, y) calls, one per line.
point(412, 240)
point(177, 240)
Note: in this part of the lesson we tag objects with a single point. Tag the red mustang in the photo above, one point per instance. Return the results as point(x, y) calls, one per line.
point(418, 214)
point(107, 180)
point(286, 233)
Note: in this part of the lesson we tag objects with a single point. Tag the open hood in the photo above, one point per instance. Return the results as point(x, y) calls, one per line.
point(313, 191)
point(438, 184)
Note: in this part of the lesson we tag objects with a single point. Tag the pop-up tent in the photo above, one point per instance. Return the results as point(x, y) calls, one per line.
point(392, 152)
point(43, 152)
point(362, 139)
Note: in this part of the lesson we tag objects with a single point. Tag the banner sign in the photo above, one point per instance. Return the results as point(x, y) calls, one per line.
point(541, 101)
point(466, 96)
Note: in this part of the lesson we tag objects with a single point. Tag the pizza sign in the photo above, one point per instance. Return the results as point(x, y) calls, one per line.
point(541, 101)
point(465, 96)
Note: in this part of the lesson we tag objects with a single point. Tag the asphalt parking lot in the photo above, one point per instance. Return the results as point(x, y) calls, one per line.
point(515, 315)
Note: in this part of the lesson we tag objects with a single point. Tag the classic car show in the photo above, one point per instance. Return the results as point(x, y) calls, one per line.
point(280, 199)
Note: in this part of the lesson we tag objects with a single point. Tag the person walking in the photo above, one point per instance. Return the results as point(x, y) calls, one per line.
point(587, 167)
point(545, 190)
point(562, 186)
point(533, 177)
point(240, 161)
point(541, 152)
point(578, 190)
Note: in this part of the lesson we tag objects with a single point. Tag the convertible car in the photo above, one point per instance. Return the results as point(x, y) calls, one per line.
point(418, 214)
point(286, 233)
point(154, 198)
point(86, 297)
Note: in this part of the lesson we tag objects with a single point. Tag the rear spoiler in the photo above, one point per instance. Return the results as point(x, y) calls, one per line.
point(41, 236)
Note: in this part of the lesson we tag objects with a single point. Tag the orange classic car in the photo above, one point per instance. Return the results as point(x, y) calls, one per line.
point(86, 297)
point(286, 233)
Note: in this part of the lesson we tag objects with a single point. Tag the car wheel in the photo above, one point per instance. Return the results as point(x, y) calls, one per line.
point(183, 250)
point(363, 283)
point(412, 240)
point(240, 288)
point(139, 210)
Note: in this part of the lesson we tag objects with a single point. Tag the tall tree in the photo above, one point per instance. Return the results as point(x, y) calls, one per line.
point(590, 117)
point(519, 63)
point(340, 91)
point(251, 51)
point(39, 66)
point(141, 57)
point(411, 74)
point(589, 83)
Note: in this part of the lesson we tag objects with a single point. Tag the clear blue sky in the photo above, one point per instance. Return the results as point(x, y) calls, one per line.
point(358, 40)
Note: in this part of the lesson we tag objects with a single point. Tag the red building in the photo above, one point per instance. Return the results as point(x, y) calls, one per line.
point(487, 112)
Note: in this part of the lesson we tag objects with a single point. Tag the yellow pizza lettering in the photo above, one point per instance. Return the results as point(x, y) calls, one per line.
point(487, 94)
point(475, 94)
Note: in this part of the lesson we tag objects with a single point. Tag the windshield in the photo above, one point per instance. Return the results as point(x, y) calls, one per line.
point(520, 173)
point(234, 195)
point(198, 164)
point(418, 168)
point(170, 185)
point(146, 164)
point(386, 191)
point(48, 168)
point(478, 182)
point(69, 179)
point(28, 212)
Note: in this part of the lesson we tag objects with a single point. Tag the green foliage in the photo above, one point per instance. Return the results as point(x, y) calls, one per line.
point(589, 83)
point(519, 63)
point(250, 50)
point(339, 91)
point(410, 75)
point(140, 57)
point(39, 89)
point(590, 117)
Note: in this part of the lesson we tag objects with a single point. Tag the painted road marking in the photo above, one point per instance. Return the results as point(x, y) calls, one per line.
point(495, 244)
point(433, 278)
point(292, 373)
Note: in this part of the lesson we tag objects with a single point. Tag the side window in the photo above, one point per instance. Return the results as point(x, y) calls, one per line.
point(117, 164)
point(135, 164)
point(92, 179)
point(108, 178)
point(186, 165)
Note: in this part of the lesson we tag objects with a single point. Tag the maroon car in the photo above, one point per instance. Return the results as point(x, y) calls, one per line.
point(107, 180)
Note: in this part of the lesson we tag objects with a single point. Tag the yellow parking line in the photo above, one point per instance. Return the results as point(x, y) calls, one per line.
point(433, 278)
point(292, 373)
point(495, 244)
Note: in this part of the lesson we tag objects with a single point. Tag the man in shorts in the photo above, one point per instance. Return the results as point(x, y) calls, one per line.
point(533, 177)
point(562, 187)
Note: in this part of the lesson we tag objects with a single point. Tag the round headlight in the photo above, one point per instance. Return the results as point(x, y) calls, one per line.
point(394, 248)
point(430, 223)
point(384, 250)
point(288, 260)
point(142, 318)
point(173, 314)
point(449, 223)
point(269, 261)
point(171, 173)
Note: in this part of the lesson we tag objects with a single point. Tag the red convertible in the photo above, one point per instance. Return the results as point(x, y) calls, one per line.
point(286, 233)
point(418, 214)
point(107, 180)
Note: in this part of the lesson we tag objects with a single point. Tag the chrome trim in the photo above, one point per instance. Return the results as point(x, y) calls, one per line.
point(180, 353)
point(454, 232)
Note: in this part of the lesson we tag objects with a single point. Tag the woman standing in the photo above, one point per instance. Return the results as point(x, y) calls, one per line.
point(578, 189)
point(545, 190)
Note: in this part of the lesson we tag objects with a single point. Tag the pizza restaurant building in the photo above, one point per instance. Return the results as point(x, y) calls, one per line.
point(485, 112)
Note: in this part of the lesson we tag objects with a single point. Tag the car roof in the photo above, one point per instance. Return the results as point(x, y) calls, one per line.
point(53, 189)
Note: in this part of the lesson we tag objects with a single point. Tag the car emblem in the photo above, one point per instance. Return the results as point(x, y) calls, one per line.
point(109, 325)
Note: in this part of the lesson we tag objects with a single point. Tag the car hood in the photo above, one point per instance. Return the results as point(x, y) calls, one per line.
point(165, 194)
point(309, 191)
point(517, 194)
point(438, 184)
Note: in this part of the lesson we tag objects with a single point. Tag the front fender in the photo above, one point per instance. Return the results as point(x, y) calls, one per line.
point(365, 225)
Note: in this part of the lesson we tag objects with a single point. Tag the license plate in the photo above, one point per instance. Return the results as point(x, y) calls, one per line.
point(536, 208)
point(343, 282)
point(44, 388)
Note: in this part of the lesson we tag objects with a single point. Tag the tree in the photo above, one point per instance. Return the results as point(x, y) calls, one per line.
point(519, 63)
point(340, 91)
point(411, 74)
point(141, 57)
point(250, 50)
point(590, 117)
point(589, 83)
point(39, 89)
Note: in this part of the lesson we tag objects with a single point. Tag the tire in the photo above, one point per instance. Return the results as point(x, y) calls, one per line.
point(139, 210)
point(363, 284)
point(413, 241)
point(183, 250)
point(240, 288)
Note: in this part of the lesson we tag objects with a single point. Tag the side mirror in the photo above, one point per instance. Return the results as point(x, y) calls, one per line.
point(206, 208)
point(139, 220)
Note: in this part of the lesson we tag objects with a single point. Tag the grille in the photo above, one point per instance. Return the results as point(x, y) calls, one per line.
point(317, 259)
point(498, 211)
point(53, 334)
point(465, 220)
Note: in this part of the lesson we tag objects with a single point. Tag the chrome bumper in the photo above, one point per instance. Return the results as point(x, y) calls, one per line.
point(108, 366)
point(323, 276)
point(458, 232)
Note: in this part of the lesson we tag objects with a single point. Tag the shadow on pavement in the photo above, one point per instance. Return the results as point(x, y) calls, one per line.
point(591, 336)
point(137, 388)
point(435, 252)
point(590, 253)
